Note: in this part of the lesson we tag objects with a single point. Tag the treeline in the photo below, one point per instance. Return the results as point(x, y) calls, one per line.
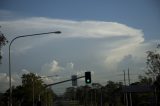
point(113, 93)
point(96, 94)
point(32, 91)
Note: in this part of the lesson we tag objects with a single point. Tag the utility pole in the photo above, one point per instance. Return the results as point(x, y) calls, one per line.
point(33, 92)
point(125, 95)
point(101, 96)
point(91, 97)
point(130, 96)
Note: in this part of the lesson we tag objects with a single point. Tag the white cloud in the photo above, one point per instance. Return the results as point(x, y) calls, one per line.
point(121, 40)
point(4, 81)
point(69, 28)
point(70, 66)
point(58, 71)
point(48, 80)
point(52, 67)
point(131, 37)
point(25, 71)
point(117, 54)
point(4, 77)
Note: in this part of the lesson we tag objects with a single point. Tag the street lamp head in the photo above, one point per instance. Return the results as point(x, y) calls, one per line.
point(57, 32)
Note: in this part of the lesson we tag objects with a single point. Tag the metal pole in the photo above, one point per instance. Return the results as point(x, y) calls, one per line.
point(125, 89)
point(101, 96)
point(46, 98)
point(10, 83)
point(33, 92)
point(91, 98)
point(95, 98)
point(63, 81)
point(74, 96)
point(155, 96)
point(130, 95)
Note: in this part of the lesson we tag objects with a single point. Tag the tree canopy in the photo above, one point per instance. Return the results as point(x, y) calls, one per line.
point(3, 41)
point(153, 63)
point(31, 91)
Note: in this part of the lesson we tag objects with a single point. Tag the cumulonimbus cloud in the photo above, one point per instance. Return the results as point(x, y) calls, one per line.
point(69, 28)
point(132, 37)
point(124, 39)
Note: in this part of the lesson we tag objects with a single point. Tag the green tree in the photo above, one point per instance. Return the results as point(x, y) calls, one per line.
point(152, 78)
point(145, 80)
point(32, 88)
point(153, 63)
point(34, 84)
point(3, 42)
point(142, 98)
point(69, 93)
point(113, 93)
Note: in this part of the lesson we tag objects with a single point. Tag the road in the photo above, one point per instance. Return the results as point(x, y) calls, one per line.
point(66, 103)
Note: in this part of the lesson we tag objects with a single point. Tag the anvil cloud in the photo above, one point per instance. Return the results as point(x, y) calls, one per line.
point(106, 43)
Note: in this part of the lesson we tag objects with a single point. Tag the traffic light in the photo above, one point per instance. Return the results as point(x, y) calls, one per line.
point(88, 77)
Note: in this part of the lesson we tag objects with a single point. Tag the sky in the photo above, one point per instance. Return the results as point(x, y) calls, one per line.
point(104, 37)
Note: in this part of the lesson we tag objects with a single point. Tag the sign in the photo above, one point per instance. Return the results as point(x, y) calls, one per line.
point(74, 80)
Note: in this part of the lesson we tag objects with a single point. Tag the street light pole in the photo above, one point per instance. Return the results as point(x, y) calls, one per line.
point(10, 83)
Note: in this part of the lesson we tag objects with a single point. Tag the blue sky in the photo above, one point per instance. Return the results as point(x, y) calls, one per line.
point(104, 36)
point(140, 14)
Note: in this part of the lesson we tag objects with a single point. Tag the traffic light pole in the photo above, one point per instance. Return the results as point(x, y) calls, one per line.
point(63, 81)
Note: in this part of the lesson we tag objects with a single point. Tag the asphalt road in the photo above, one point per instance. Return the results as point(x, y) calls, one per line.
point(66, 103)
point(58, 103)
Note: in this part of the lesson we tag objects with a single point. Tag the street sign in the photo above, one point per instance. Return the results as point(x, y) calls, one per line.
point(74, 80)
